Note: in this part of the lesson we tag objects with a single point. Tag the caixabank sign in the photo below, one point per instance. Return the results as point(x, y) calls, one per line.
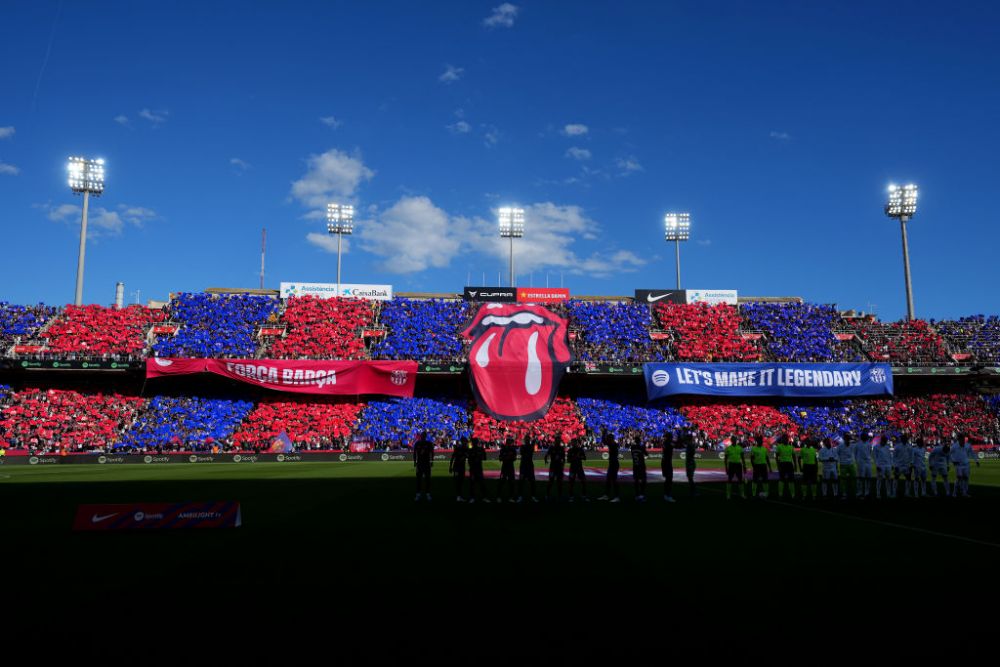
point(490, 294)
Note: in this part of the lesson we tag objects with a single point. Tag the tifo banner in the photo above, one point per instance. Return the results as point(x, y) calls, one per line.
point(157, 516)
point(712, 296)
point(775, 379)
point(392, 378)
point(490, 294)
point(542, 294)
point(329, 290)
point(657, 295)
point(519, 355)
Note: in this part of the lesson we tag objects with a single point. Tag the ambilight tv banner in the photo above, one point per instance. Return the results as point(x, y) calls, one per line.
point(770, 379)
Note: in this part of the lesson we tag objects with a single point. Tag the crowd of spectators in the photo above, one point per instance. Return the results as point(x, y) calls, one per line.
point(398, 422)
point(310, 425)
point(186, 423)
point(720, 420)
point(324, 328)
point(977, 335)
point(55, 420)
point(832, 418)
point(703, 332)
point(93, 332)
point(561, 423)
point(216, 325)
point(22, 322)
point(619, 417)
point(423, 330)
point(799, 332)
point(612, 332)
point(943, 414)
point(911, 343)
point(5, 393)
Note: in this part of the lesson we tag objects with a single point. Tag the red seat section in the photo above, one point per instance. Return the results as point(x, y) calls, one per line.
point(97, 331)
point(703, 332)
point(309, 425)
point(324, 328)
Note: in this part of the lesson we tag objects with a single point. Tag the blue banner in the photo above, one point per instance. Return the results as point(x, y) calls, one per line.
point(769, 379)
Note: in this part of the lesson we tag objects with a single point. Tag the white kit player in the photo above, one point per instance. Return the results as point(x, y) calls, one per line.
point(918, 464)
point(938, 460)
point(828, 459)
point(902, 461)
point(962, 456)
point(863, 460)
point(883, 466)
point(848, 470)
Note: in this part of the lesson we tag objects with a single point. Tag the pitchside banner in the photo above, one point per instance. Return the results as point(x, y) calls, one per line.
point(157, 516)
point(775, 379)
point(391, 378)
point(329, 290)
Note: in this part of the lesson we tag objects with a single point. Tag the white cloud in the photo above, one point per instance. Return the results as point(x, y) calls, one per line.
point(628, 165)
point(6, 132)
point(8, 169)
point(460, 127)
point(101, 221)
point(491, 136)
point(328, 243)
point(122, 120)
point(780, 136)
point(331, 122)
point(451, 74)
point(241, 165)
point(575, 129)
point(413, 235)
point(578, 153)
point(330, 175)
point(154, 117)
point(704, 242)
point(502, 16)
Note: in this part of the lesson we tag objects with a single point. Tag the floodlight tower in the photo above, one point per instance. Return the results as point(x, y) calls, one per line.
point(511, 227)
point(902, 205)
point(339, 221)
point(677, 228)
point(86, 177)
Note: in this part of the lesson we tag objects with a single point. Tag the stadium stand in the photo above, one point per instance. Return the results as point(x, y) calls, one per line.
point(977, 335)
point(99, 332)
point(838, 417)
point(398, 422)
point(799, 332)
point(324, 328)
point(912, 343)
point(943, 414)
point(562, 422)
point(423, 330)
point(216, 325)
point(612, 332)
point(186, 423)
point(22, 323)
point(719, 420)
point(703, 332)
point(47, 421)
point(5, 393)
point(621, 417)
point(309, 425)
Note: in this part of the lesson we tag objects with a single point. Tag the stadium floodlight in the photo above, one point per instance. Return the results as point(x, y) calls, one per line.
point(511, 227)
point(86, 177)
point(339, 221)
point(902, 205)
point(677, 228)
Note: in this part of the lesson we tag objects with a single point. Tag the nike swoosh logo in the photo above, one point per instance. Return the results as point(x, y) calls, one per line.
point(650, 298)
point(97, 518)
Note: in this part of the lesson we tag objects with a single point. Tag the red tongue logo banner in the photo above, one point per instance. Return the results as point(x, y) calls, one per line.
point(518, 357)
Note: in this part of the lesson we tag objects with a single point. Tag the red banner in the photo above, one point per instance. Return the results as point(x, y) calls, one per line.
point(542, 294)
point(352, 378)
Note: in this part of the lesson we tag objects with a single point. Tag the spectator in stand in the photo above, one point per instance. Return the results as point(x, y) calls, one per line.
point(941, 415)
point(423, 330)
point(187, 423)
point(311, 424)
point(833, 418)
point(22, 322)
point(561, 424)
point(719, 420)
point(90, 332)
point(912, 343)
point(612, 332)
point(622, 418)
point(216, 325)
point(797, 332)
point(45, 422)
point(704, 332)
point(977, 335)
point(324, 328)
point(397, 422)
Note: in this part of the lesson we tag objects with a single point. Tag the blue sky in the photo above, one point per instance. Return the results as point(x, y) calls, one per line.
point(777, 125)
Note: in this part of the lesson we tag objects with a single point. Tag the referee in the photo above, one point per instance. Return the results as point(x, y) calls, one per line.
point(735, 464)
